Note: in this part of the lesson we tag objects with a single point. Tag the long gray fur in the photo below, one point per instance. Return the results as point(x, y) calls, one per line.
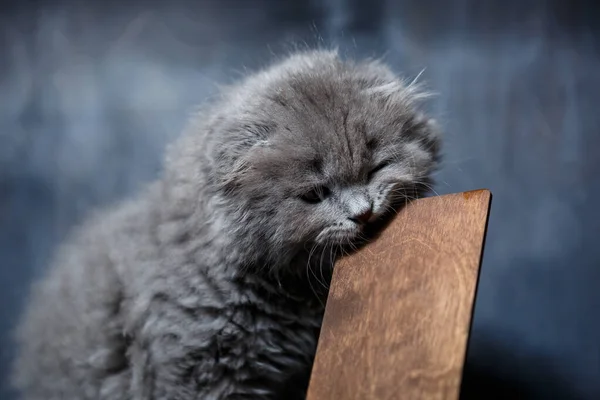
point(210, 283)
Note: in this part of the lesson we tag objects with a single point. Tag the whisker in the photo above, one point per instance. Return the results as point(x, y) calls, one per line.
point(308, 268)
point(321, 265)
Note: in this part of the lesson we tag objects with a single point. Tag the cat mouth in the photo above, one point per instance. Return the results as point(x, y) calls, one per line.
point(347, 237)
point(343, 234)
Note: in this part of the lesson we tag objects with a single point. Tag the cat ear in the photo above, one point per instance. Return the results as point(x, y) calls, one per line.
point(260, 131)
point(425, 133)
point(234, 175)
point(430, 127)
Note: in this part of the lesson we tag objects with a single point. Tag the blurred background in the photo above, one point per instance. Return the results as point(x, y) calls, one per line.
point(91, 91)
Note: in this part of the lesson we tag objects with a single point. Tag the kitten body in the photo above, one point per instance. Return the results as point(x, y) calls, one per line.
point(209, 284)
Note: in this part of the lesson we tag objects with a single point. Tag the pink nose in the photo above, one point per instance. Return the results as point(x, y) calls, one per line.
point(363, 217)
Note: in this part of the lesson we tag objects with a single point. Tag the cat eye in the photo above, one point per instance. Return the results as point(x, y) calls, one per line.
point(316, 195)
point(378, 168)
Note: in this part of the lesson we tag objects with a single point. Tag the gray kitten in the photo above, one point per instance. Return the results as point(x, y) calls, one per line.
point(209, 285)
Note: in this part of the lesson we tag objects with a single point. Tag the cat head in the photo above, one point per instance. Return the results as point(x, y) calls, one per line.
point(315, 149)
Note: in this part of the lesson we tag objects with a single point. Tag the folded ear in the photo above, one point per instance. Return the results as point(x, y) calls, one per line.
point(425, 133)
point(239, 167)
point(433, 141)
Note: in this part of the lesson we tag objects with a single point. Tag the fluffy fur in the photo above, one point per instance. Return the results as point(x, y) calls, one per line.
point(209, 285)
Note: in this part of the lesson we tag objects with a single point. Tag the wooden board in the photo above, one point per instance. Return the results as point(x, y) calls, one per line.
point(399, 311)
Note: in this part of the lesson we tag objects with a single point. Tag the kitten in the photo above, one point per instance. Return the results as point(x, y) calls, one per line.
point(209, 285)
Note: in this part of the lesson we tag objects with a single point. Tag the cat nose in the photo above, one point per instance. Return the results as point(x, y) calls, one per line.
point(363, 217)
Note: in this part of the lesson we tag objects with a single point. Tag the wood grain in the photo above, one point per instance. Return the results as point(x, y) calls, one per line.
point(399, 311)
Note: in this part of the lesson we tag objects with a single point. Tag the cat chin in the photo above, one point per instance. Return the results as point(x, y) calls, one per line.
point(338, 237)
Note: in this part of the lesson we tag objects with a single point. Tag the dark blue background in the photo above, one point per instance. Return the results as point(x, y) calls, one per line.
point(90, 92)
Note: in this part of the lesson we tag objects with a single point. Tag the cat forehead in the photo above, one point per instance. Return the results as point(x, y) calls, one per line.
point(317, 162)
point(309, 91)
point(334, 111)
point(331, 135)
point(331, 141)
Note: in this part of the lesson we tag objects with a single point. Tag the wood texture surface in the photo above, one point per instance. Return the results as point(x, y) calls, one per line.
point(399, 311)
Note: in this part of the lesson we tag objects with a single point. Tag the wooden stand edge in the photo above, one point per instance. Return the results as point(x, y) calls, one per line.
point(399, 311)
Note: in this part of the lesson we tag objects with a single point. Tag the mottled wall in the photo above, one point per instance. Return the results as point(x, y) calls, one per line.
point(90, 93)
